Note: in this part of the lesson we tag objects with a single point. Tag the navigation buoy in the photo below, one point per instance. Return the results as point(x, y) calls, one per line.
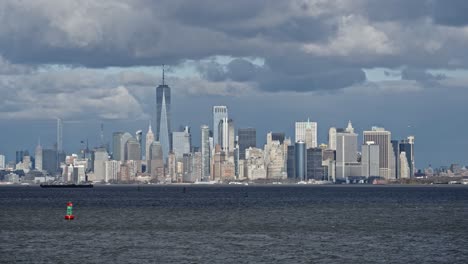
point(69, 215)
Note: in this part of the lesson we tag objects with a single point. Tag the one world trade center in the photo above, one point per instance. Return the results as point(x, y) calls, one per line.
point(163, 116)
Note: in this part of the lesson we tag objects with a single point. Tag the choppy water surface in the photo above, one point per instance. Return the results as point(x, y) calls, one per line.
point(248, 224)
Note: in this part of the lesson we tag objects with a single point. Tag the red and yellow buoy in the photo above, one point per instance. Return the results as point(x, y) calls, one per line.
point(69, 215)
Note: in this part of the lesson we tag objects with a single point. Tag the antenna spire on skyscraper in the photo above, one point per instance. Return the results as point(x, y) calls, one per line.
point(163, 74)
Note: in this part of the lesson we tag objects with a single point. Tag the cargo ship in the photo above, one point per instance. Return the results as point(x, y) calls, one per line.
point(87, 185)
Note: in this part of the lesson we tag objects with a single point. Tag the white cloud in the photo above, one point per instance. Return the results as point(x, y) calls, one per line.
point(355, 36)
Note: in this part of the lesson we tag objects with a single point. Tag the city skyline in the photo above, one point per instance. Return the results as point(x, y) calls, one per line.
point(399, 65)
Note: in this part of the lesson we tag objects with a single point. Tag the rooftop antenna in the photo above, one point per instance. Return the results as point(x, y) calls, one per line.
point(102, 134)
point(163, 74)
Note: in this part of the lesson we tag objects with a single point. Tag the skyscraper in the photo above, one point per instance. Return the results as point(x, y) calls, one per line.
point(59, 135)
point(149, 140)
point(49, 161)
point(163, 117)
point(280, 136)
point(404, 166)
point(38, 156)
point(219, 112)
point(382, 138)
point(370, 160)
point(346, 152)
point(300, 160)
point(181, 142)
point(223, 134)
point(100, 158)
point(156, 166)
point(314, 164)
point(332, 138)
point(2, 161)
point(231, 137)
point(205, 152)
point(132, 150)
point(116, 145)
point(407, 146)
point(247, 138)
point(307, 132)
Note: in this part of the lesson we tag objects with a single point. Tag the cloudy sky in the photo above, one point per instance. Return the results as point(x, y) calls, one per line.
point(398, 64)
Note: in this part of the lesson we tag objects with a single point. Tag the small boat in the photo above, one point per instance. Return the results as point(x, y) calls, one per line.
point(67, 185)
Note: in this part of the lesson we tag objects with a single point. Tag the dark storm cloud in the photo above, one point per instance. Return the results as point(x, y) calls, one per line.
point(306, 45)
point(451, 13)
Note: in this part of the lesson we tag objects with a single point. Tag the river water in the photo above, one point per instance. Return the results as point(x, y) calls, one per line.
point(235, 224)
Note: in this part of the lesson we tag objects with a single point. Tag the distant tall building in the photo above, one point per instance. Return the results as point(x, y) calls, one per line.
point(370, 160)
point(156, 166)
point(314, 164)
point(407, 146)
point(332, 138)
point(163, 117)
point(132, 150)
point(116, 145)
point(300, 160)
point(49, 161)
point(149, 140)
point(205, 152)
point(231, 137)
point(181, 142)
point(396, 158)
point(247, 138)
point(19, 156)
point(219, 113)
point(404, 166)
point(59, 135)
point(38, 157)
point(2, 162)
point(100, 158)
point(307, 132)
point(346, 152)
point(290, 163)
point(382, 138)
point(279, 136)
point(223, 136)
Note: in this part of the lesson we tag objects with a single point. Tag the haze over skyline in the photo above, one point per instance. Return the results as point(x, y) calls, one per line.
point(397, 64)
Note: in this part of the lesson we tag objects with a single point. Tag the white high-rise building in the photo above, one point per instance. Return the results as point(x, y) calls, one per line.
point(307, 132)
point(346, 154)
point(149, 140)
point(181, 142)
point(382, 138)
point(404, 166)
point(219, 112)
point(332, 138)
point(112, 169)
point(100, 158)
point(2, 161)
point(38, 156)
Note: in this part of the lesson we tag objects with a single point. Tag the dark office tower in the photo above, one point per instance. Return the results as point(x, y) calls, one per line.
point(291, 162)
point(19, 156)
point(300, 154)
point(396, 155)
point(407, 146)
point(59, 135)
point(314, 164)
point(163, 117)
point(49, 161)
point(205, 152)
point(275, 136)
point(247, 138)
